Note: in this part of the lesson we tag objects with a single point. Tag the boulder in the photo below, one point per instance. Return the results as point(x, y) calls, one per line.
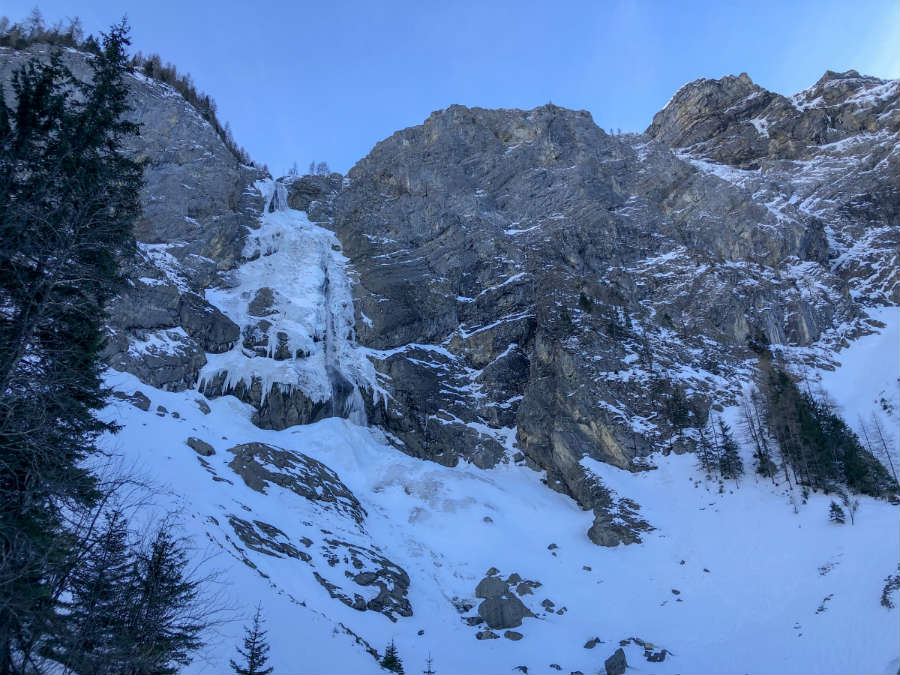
point(616, 664)
point(260, 465)
point(263, 303)
point(503, 612)
point(137, 399)
point(491, 587)
point(200, 447)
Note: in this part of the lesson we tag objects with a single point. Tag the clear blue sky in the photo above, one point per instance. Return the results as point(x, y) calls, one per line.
point(326, 80)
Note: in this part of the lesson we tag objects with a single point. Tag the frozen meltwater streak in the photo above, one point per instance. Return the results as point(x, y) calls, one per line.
point(278, 200)
point(346, 401)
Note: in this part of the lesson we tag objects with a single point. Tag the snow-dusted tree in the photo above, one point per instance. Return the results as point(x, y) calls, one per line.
point(836, 513)
point(850, 503)
point(891, 586)
point(69, 196)
point(730, 463)
point(166, 612)
point(256, 649)
point(90, 637)
point(391, 660)
point(755, 431)
point(34, 24)
point(706, 452)
point(322, 169)
point(878, 441)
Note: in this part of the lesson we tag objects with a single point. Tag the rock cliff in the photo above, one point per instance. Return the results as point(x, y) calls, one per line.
point(516, 286)
point(198, 205)
point(526, 280)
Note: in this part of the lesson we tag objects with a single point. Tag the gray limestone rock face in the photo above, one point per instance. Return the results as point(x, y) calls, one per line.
point(280, 407)
point(197, 202)
point(263, 302)
point(166, 358)
point(824, 156)
point(214, 331)
point(306, 193)
point(538, 284)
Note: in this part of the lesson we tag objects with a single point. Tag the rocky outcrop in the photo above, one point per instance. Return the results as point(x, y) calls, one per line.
point(313, 194)
point(347, 571)
point(825, 157)
point(736, 122)
point(500, 607)
point(260, 464)
point(370, 568)
point(616, 664)
point(278, 407)
point(201, 447)
point(138, 399)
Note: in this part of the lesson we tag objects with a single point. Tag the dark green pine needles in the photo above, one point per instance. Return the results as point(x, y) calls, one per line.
point(256, 649)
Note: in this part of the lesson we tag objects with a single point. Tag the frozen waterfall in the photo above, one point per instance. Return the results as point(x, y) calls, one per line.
point(293, 301)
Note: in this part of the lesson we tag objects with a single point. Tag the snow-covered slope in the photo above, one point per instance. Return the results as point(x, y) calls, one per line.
point(349, 543)
point(730, 582)
point(866, 383)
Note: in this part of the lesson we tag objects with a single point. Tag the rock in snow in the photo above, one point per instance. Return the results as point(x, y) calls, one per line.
point(615, 664)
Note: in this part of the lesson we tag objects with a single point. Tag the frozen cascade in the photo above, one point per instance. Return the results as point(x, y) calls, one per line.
point(277, 200)
point(346, 401)
point(301, 267)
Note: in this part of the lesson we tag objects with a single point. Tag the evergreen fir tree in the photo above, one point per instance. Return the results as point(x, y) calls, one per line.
point(730, 463)
point(836, 513)
point(256, 649)
point(391, 660)
point(68, 199)
point(850, 503)
point(677, 407)
point(891, 586)
point(706, 453)
point(164, 619)
point(819, 446)
point(98, 588)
